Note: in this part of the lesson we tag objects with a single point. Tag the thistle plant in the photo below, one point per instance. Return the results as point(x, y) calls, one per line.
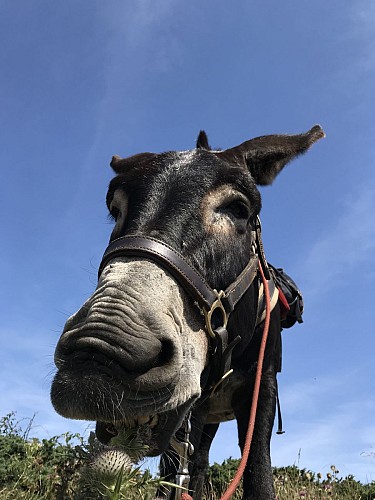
point(113, 470)
point(108, 463)
point(132, 441)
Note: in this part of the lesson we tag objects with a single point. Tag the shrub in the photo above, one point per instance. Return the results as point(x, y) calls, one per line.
point(67, 467)
point(293, 483)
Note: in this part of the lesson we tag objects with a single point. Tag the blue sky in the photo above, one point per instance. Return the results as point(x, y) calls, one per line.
point(81, 81)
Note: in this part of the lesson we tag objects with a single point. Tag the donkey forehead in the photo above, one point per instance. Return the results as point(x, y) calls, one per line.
point(199, 166)
point(182, 170)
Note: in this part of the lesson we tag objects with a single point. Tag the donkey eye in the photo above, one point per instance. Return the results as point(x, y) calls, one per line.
point(118, 209)
point(115, 213)
point(237, 209)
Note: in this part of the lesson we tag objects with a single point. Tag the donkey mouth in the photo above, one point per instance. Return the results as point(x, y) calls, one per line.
point(149, 433)
point(105, 431)
point(139, 437)
point(119, 409)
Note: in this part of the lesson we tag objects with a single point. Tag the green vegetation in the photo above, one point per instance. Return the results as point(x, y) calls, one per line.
point(292, 483)
point(66, 467)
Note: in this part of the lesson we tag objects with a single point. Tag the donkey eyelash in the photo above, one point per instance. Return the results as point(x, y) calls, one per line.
point(113, 214)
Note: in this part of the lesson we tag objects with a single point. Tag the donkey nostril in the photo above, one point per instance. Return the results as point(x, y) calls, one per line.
point(165, 355)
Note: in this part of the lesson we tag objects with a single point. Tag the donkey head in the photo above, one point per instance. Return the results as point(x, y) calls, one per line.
point(134, 354)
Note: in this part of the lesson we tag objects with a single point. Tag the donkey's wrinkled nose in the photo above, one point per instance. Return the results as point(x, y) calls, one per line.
point(120, 334)
point(112, 349)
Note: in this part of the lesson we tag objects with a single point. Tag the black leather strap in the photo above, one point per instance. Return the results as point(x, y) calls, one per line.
point(219, 363)
point(236, 290)
point(259, 243)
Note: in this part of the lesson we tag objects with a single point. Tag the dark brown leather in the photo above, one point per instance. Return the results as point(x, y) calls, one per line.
point(236, 290)
point(166, 256)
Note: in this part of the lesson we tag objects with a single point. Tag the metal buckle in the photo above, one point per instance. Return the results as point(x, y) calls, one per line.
point(183, 449)
point(216, 305)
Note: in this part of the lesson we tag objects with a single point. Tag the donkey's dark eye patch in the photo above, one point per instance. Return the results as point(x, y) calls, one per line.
point(114, 213)
point(118, 205)
point(236, 208)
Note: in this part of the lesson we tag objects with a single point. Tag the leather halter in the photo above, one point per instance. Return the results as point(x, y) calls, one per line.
point(215, 306)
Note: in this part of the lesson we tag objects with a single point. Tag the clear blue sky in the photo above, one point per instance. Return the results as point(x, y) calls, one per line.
point(81, 81)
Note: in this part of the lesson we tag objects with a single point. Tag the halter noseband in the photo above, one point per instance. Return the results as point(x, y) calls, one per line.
point(215, 306)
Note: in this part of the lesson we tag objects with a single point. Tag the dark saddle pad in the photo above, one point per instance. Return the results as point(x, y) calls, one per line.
point(290, 297)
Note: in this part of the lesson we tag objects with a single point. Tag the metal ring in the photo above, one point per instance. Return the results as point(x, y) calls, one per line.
point(216, 305)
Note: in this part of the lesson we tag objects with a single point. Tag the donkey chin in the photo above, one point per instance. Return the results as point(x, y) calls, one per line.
point(127, 363)
point(117, 407)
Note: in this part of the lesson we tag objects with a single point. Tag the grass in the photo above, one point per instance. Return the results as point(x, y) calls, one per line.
point(293, 483)
point(67, 467)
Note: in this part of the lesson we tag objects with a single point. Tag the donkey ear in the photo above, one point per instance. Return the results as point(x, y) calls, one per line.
point(122, 165)
point(202, 141)
point(266, 156)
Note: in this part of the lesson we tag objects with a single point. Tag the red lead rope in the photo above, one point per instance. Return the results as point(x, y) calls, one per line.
point(254, 403)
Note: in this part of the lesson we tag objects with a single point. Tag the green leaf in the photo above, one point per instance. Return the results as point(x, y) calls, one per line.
point(117, 490)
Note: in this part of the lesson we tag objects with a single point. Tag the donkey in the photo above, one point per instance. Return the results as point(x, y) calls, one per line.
point(178, 305)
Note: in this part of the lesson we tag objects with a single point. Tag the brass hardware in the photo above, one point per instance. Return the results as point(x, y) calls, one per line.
point(226, 375)
point(216, 305)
